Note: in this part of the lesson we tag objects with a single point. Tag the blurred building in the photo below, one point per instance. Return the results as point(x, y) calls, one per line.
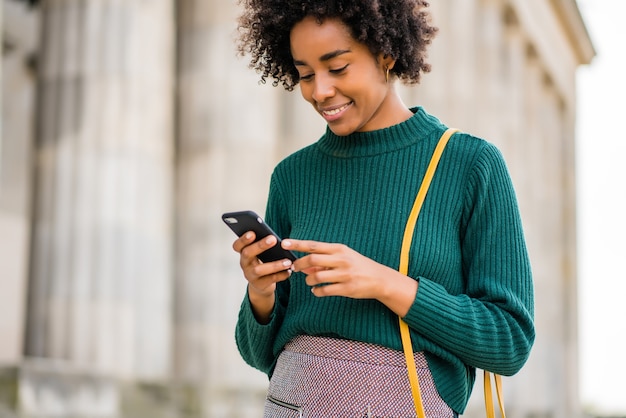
point(129, 126)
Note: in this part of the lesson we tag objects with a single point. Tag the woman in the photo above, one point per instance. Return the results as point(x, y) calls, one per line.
point(325, 327)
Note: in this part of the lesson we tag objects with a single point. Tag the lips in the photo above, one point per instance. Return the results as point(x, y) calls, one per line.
point(331, 114)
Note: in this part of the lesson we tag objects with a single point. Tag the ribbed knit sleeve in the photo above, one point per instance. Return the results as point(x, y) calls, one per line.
point(489, 325)
point(256, 341)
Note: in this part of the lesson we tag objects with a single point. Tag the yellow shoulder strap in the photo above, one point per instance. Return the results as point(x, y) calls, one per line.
point(404, 268)
point(404, 265)
point(419, 200)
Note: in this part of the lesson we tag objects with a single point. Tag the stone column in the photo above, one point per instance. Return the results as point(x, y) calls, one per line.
point(1, 78)
point(489, 78)
point(99, 301)
point(555, 312)
point(449, 91)
point(542, 362)
point(513, 123)
point(18, 26)
point(228, 133)
point(433, 91)
point(569, 239)
point(559, 288)
point(461, 64)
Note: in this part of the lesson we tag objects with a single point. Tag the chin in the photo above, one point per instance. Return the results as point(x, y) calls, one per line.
point(340, 130)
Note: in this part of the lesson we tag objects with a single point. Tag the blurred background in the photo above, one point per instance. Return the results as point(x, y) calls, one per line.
point(601, 205)
point(129, 126)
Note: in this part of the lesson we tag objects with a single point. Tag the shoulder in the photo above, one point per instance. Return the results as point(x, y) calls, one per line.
point(473, 150)
point(474, 164)
point(466, 142)
point(486, 176)
point(463, 145)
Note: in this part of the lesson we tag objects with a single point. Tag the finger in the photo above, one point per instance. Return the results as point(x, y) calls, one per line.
point(259, 270)
point(327, 289)
point(256, 248)
point(243, 241)
point(261, 285)
point(271, 278)
point(314, 262)
point(310, 270)
point(311, 246)
point(321, 277)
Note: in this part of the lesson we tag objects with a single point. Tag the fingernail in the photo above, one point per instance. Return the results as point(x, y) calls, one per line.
point(248, 235)
point(286, 243)
point(287, 263)
point(269, 239)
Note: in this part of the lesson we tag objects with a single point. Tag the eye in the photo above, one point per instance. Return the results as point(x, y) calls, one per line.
point(306, 77)
point(339, 70)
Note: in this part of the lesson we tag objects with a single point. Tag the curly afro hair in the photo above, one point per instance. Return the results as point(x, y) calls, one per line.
point(399, 28)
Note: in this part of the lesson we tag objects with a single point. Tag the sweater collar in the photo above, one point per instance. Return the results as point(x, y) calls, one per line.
point(392, 138)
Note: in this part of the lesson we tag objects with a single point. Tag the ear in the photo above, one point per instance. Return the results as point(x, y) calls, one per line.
point(386, 61)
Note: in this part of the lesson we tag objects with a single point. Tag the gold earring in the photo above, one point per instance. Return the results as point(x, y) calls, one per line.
point(387, 74)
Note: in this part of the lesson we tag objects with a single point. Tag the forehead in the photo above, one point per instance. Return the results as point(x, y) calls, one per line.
point(309, 35)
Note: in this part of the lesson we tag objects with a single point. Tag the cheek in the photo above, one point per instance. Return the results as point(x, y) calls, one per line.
point(307, 92)
point(376, 93)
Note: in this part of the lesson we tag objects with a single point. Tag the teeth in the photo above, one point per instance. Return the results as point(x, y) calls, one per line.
point(334, 111)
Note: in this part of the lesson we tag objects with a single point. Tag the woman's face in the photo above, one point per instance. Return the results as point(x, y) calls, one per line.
point(342, 79)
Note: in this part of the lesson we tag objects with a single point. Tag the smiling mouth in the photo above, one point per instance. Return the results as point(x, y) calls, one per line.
point(334, 112)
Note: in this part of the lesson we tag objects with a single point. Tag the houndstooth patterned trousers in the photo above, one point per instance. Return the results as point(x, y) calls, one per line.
point(320, 377)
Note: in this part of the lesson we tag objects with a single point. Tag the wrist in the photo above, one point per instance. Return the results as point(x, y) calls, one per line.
point(399, 292)
point(262, 304)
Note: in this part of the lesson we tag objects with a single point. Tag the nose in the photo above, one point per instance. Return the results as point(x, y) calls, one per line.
point(323, 88)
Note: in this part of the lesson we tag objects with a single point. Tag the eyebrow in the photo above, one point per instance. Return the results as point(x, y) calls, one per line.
point(326, 57)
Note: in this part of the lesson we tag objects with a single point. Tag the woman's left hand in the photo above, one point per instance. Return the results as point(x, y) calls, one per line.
point(338, 270)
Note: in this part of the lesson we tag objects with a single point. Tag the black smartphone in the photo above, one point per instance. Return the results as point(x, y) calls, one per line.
point(244, 221)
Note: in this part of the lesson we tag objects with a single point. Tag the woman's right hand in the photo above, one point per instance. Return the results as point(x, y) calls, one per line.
point(261, 277)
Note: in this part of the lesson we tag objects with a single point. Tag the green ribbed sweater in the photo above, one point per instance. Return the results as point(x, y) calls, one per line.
point(474, 305)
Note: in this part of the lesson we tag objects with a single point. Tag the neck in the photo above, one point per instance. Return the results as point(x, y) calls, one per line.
point(396, 109)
